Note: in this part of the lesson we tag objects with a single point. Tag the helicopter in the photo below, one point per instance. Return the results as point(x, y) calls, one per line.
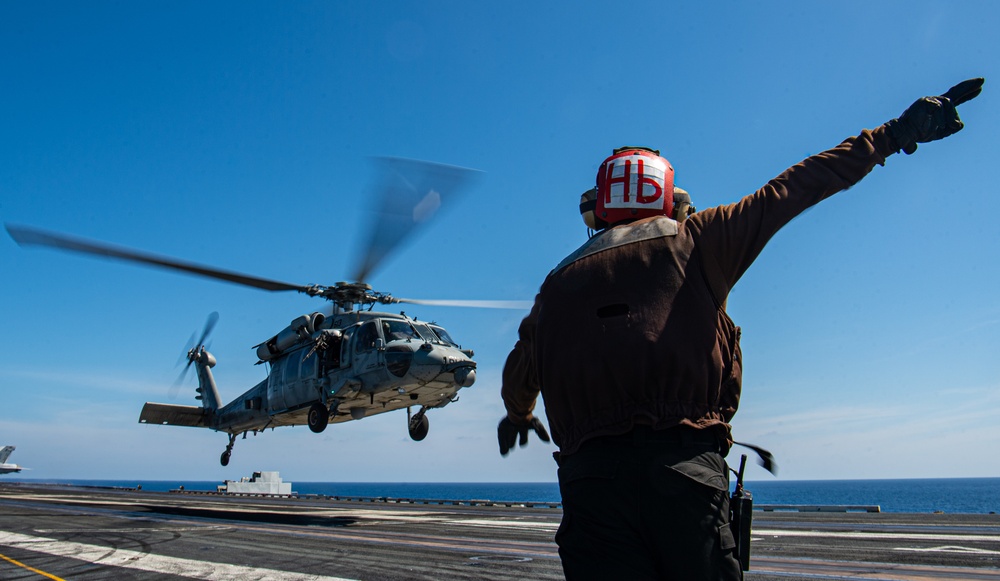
point(345, 363)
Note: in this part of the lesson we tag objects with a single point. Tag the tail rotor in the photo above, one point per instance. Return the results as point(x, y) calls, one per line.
point(194, 351)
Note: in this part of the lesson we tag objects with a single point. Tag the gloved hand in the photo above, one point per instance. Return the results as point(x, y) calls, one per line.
point(508, 431)
point(932, 118)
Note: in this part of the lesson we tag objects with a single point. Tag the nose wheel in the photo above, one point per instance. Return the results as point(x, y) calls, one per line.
point(224, 460)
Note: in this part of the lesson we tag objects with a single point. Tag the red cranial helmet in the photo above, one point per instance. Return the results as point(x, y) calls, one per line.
point(635, 182)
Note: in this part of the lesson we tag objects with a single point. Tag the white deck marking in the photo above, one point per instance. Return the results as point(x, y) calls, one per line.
point(152, 563)
point(950, 549)
point(93, 530)
point(884, 536)
point(507, 524)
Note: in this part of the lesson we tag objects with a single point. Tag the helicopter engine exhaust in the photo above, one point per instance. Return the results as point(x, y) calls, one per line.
point(300, 328)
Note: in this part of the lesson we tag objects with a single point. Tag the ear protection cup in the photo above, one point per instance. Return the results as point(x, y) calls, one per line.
point(682, 205)
point(588, 210)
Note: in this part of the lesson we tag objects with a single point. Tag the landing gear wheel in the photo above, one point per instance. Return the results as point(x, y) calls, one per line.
point(225, 458)
point(419, 425)
point(318, 417)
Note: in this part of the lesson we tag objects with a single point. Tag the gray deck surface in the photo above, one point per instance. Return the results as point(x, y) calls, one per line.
point(73, 533)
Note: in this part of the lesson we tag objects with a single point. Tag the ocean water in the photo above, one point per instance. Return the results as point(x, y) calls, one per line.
point(949, 495)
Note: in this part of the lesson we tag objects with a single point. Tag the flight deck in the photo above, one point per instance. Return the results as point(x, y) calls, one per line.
point(82, 533)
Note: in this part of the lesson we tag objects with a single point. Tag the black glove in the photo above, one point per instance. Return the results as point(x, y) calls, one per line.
point(508, 431)
point(932, 118)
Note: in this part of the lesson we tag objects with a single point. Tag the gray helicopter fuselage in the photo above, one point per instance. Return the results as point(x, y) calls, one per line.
point(356, 363)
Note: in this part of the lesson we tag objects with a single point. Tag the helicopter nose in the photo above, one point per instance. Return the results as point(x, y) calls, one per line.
point(465, 376)
point(442, 364)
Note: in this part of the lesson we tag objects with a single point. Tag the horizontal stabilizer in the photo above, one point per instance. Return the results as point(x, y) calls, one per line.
point(174, 415)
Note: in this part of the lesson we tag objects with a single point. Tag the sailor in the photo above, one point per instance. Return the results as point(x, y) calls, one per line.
point(639, 364)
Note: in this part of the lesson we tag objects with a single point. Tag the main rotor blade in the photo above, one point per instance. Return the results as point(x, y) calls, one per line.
point(525, 305)
point(28, 236)
point(407, 194)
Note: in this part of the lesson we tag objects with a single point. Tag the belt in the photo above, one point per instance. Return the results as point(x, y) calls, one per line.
point(677, 436)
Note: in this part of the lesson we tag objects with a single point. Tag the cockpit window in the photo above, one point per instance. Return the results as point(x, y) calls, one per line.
point(444, 335)
point(367, 336)
point(426, 334)
point(396, 330)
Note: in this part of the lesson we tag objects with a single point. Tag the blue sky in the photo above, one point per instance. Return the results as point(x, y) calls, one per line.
point(240, 135)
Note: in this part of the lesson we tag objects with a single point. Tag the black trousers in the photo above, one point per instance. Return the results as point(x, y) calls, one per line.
point(647, 505)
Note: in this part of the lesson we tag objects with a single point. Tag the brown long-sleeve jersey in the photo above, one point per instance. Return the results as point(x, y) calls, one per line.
point(632, 328)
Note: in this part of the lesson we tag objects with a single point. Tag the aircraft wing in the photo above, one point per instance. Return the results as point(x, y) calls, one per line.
point(174, 415)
